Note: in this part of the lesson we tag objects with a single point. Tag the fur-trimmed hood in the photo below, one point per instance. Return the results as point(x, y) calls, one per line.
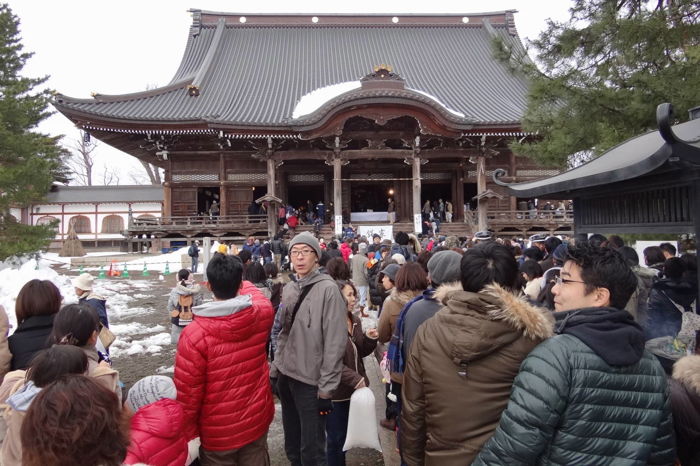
point(484, 322)
point(402, 297)
point(687, 371)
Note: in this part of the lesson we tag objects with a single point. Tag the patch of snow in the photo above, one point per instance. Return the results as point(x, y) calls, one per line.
point(151, 344)
point(134, 328)
point(165, 370)
point(432, 97)
point(315, 99)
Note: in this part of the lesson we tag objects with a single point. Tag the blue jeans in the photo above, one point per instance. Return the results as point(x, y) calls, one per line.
point(304, 428)
point(195, 262)
point(336, 431)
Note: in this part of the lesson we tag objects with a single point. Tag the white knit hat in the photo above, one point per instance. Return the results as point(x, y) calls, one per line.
point(83, 281)
point(149, 390)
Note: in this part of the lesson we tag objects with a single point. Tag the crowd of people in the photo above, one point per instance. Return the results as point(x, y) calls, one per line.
point(495, 351)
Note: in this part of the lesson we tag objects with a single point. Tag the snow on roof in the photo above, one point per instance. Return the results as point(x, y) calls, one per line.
point(454, 112)
point(312, 101)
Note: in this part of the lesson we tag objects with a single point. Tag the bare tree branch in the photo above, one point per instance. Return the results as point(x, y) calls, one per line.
point(82, 159)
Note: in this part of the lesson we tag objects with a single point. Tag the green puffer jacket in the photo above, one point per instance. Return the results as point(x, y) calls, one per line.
point(569, 407)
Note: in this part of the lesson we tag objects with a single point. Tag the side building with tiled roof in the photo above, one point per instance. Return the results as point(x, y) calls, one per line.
point(101, 215)
point(350, 110)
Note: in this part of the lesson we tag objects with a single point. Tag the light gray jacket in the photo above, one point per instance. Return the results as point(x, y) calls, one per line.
point(312, 349)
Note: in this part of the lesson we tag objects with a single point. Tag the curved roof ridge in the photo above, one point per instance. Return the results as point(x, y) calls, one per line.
point(126, 97)
point(211, 52)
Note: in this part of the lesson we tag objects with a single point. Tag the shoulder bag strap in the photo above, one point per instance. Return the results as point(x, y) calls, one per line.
point(303, 294)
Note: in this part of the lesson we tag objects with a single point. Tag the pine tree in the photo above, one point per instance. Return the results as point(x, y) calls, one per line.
point(29, 161)
point(601, 74)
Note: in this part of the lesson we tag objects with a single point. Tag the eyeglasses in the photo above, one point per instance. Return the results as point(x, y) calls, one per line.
point(563, 281)
point(301, 252)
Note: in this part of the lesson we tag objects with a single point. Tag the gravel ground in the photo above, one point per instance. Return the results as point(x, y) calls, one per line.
point(133, 367)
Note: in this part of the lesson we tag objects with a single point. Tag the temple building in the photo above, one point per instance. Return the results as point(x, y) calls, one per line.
point(350, 110)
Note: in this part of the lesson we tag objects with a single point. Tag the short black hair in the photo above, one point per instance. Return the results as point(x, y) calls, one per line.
point(487, 263)
point(323, 260)
point(604, 268)
point(551, 243)
point(630, 255)
point(653, 255)
point(333, 244)
point(669, 248)
point(225, 274)
point(532, 269)
point(674, 268)
point(533, 253)
point(245, 255)
point(401, 238)
point(255, 273)
point(596, 240)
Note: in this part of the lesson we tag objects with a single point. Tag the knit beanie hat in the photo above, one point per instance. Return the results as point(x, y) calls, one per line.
point(444, 267)
point(149, 390)
point(308, 239)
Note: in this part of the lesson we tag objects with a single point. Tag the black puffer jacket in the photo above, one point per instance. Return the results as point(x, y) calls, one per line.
point(590, 395)
point(376, 296)
point(31, 336)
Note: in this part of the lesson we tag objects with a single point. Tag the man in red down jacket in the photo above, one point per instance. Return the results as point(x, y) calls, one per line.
point(221, 370)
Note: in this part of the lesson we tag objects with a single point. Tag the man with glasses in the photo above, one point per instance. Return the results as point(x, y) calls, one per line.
point(591, 394)
point(309, 357)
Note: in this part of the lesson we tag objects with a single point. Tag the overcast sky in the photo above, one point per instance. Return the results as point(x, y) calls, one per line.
point(114, 47)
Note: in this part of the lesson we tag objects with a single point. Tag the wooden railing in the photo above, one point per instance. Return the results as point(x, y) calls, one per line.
point(526, 216)
point(197, 221)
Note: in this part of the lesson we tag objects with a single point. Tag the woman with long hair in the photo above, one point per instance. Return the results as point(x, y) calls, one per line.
point(411, 280)
point(359, 344)
point(78, 325)
point(37, 304)
point(183, 297)
point(74, 420)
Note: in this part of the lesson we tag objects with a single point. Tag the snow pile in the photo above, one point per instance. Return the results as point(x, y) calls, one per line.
point(13, 279)
point(151, 344)
point(315, 99)
point(134, 328)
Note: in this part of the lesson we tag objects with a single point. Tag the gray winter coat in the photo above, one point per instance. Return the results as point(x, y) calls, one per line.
point(311, 349)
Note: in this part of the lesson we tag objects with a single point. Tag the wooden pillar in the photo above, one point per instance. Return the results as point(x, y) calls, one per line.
point(338, 194)
point(271, 211)
point(167, 200)
point(458, 199)
point(415, 166)
point(481, 188)
point(223, 201)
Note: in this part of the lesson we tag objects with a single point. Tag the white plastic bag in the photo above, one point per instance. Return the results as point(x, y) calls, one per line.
point(362, 422)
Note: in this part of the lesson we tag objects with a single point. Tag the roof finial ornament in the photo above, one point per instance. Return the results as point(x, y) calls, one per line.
point(381, 76)
point(192, 90)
